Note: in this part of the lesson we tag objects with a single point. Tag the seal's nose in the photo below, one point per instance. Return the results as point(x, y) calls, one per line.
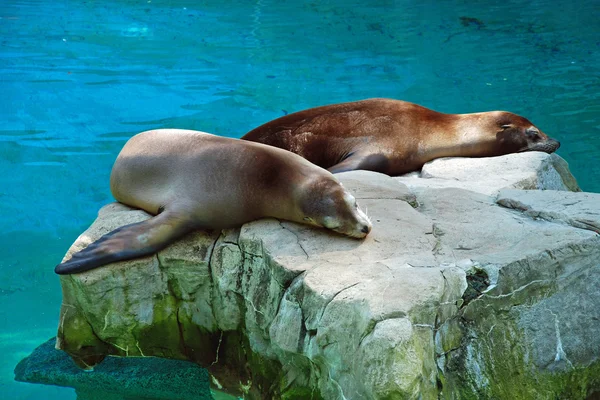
point(366, 229)
point(552, 146)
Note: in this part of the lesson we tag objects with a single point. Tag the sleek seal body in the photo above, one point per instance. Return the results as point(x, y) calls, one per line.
point(395, 137)
point(193, 180)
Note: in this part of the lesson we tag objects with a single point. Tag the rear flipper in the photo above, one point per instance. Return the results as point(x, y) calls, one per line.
point(127, 242)
point(368, 162)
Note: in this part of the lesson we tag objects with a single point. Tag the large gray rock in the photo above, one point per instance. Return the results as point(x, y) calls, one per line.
point(465, 296)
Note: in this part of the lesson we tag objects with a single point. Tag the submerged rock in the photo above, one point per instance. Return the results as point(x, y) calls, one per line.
point(459, 292)
point(116, 378)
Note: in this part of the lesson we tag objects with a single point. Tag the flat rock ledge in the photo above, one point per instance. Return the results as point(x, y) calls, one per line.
point(473, 284)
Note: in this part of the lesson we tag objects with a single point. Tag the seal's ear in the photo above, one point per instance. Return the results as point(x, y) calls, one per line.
point(533, 133)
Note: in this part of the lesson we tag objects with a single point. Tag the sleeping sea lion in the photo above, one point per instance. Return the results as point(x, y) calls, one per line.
point(395, 137)
point(193, 180)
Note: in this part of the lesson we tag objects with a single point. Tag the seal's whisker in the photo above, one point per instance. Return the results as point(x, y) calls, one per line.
point(367, 214)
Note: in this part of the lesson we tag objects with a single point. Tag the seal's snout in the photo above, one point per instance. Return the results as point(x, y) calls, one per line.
point(547, 146)
point(363, 227)
point(550, 146)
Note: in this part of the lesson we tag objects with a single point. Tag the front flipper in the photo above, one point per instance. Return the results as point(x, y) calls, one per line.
point(356, 161)
point(127, 242)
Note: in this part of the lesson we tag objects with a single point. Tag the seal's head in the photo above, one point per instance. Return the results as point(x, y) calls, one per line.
point(329, 205)
point(515, 134)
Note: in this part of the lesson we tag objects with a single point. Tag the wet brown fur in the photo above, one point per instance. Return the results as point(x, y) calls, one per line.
point(395, 137)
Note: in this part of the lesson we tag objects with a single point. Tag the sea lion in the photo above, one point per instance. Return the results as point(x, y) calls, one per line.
point(395, 137)
point(193, 180)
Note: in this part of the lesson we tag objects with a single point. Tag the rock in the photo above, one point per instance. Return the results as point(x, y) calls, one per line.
point(578, 210)
point(487, 175)
point(147, 378)
point(462, 290)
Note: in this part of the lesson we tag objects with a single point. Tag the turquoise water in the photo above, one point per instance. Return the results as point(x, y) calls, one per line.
point(79, 78)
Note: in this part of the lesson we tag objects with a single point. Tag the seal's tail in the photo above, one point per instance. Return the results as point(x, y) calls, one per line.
point(127, 242)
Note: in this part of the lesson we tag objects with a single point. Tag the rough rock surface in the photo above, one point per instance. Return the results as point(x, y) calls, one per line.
point(458, 293)
point(487, 175)
point(147, 378)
